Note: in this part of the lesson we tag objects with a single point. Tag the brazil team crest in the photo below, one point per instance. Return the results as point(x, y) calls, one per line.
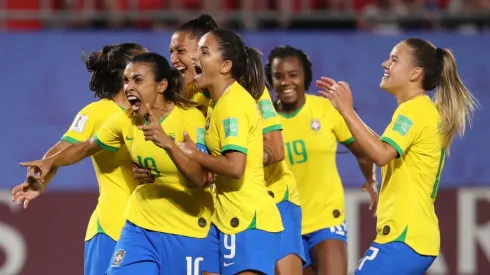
point(315, 125)
point(118, 257)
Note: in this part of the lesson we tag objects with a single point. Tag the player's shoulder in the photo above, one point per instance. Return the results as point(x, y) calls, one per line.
point(421, 108)
point(235, 98)
point(191, 113)
point(265, 95)
point(319, 101)
point(321, 107)
point(101, 107)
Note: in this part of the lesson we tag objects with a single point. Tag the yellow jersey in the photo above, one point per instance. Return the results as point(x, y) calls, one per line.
point(234, 123)
point(170, 204)
point(278, 177)
point(199, 97)
point(310, 136)
point(112, 170)
point(410, 181)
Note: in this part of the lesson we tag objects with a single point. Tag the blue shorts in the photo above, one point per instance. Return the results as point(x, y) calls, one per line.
point(338, 232)
point(252, 249)
point(291, 241)
point(393, 258)
point(141, 251)
point(98, 254)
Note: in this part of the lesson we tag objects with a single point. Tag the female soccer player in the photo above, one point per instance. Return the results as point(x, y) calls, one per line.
point(279, 178)
point(411, 152)
point(167, 221)
point(182, 45)
point(246, 228)
point(111, 168)
point(312, 128)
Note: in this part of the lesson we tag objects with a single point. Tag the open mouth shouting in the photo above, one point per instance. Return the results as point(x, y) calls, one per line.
point(197, 71)
point(134, 101)
point(182, 69)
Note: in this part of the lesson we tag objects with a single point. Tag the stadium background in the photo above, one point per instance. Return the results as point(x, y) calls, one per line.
point(43, 84)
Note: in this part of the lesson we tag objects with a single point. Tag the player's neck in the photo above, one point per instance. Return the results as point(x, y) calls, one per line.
point(162, 108)
point(219, 88)
point(292, 107)
point(408, 95)
point(121, 100)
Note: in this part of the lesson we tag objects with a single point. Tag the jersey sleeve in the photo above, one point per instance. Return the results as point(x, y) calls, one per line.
point(109, 136)
point(400, 132)
point(194, 126)
point(270, 120)
point(83, 126)
point(233, 126)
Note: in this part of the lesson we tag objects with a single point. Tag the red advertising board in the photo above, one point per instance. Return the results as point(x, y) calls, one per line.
point(48, 237)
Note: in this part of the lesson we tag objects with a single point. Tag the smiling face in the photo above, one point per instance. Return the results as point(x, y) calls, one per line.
point(208, 61)
point(140, 87)
point(399, 71)
point(288, 79)
point(182, 47)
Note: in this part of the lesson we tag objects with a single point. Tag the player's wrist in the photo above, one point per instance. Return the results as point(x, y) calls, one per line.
point(348, 113)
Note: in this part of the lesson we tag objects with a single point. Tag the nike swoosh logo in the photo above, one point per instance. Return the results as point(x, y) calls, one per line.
point(227, 264)
point(128, 138)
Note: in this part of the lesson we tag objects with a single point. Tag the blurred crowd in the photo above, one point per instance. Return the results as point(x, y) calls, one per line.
point(375, 15)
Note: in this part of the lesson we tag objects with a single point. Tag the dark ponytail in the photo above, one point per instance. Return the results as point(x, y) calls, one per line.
point(161, 69)
point(107, 66)
point(177, 89)
point(247, 66)
point(253, 79)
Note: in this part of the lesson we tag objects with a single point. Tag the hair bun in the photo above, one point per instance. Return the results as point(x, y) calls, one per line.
point(208, 22)
point(96, 62)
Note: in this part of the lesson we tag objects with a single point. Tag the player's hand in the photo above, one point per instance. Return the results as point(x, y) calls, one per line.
point(27, 191)
point(142, 175)
point(338, 93)
point(38, 169)
point(188, 146)
point(372, 189)
point(154, 131)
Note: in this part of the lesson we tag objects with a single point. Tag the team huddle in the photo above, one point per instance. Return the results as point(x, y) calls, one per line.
point(201, 172)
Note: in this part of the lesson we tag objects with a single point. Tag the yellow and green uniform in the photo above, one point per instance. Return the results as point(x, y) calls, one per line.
point(234, 124)
point(112, 170)
point(310, 136)
point(410, 181)
point(170, 204)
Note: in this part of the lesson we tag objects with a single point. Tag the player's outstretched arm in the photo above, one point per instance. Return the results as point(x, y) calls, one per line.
point(40, 169)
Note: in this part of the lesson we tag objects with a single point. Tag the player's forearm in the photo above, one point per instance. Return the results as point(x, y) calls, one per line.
point(273, 148)
point(75, 153)
point(366, 165)
point(221, 165)
point(191, 170)
point(60, 145)
point(369, 143)
point(368, 169)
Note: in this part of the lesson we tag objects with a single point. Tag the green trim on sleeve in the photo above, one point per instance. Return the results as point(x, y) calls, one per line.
point(69, 140)
point(231, 147)
point(348, 141)
point(393, 144)
point(272, 128)
point(104, 146)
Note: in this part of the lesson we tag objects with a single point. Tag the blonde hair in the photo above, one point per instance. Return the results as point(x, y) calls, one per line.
point(455, 103)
